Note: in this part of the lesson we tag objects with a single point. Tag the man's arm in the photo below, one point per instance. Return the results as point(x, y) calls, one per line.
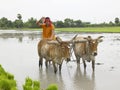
point(38, 23)
point(53, 34)
point(41, 21)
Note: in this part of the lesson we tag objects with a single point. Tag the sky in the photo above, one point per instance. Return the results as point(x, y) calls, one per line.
point(94, 11)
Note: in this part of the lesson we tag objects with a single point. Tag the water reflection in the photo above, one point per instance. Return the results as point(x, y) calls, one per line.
point(82, 81)
point(20, 35)
point(47, 77)
point(71, 77)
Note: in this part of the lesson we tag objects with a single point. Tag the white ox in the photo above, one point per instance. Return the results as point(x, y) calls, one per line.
point(87, 50)
point(55, 51)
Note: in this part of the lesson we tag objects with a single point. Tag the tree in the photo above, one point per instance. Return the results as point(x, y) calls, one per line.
point(117, 21)
point(111, 23)
point(18, 23)
point(5, 23)
point(78, 23)
point(68, 22)
point(59, 24)
point(19, 16)
point(31, 23)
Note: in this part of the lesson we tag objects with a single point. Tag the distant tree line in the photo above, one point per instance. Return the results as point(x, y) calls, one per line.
point(31, 23)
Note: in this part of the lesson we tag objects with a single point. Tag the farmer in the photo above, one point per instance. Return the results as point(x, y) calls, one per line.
point(48, 28)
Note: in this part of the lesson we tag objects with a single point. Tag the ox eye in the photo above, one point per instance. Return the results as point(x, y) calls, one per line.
point(93, 42)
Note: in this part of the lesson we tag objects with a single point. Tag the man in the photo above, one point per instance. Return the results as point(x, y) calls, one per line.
point(48, 28)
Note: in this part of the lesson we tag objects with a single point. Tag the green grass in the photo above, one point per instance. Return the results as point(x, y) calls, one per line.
point(7, 81)
point(52, 87)
point(84, 30)
point(91, 29)
point(31, 85)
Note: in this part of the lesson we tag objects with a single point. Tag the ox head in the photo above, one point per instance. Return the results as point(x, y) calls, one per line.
point(92, 44)
point(65, 46)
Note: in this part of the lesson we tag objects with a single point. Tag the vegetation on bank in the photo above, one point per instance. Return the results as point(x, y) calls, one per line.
point(66, 23)
point(7, 82)
point(91, 30)
point(83, 30)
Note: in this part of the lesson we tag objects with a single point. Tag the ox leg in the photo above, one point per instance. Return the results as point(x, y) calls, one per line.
point(78, 59)
point(55, 68)
point(60, 66)
point(84, 64)
point(40, 62)
point(46, 64)
point(49, 62)
point(93, 65)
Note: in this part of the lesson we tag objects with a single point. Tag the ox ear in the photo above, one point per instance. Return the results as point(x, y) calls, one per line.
point(59, 39)
point(88, 38)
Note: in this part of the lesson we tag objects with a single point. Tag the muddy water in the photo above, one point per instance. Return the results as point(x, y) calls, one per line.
point(18, 55)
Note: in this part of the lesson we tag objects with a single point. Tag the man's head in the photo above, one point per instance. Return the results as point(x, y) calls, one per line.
point(47, 21)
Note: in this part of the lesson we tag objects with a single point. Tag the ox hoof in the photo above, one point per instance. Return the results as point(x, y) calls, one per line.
point(55, 71)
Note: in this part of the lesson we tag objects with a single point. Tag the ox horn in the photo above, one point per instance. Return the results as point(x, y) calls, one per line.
point(100, 37)
point(72, 40)
point(59, 39)
point(74, 37)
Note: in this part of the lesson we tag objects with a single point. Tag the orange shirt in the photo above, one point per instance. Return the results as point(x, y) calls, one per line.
point(47, 31)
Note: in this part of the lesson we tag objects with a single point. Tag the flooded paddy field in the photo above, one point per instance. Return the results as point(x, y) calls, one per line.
point(18, 55)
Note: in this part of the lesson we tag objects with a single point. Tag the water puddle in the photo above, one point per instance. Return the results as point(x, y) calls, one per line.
point(18, 55)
